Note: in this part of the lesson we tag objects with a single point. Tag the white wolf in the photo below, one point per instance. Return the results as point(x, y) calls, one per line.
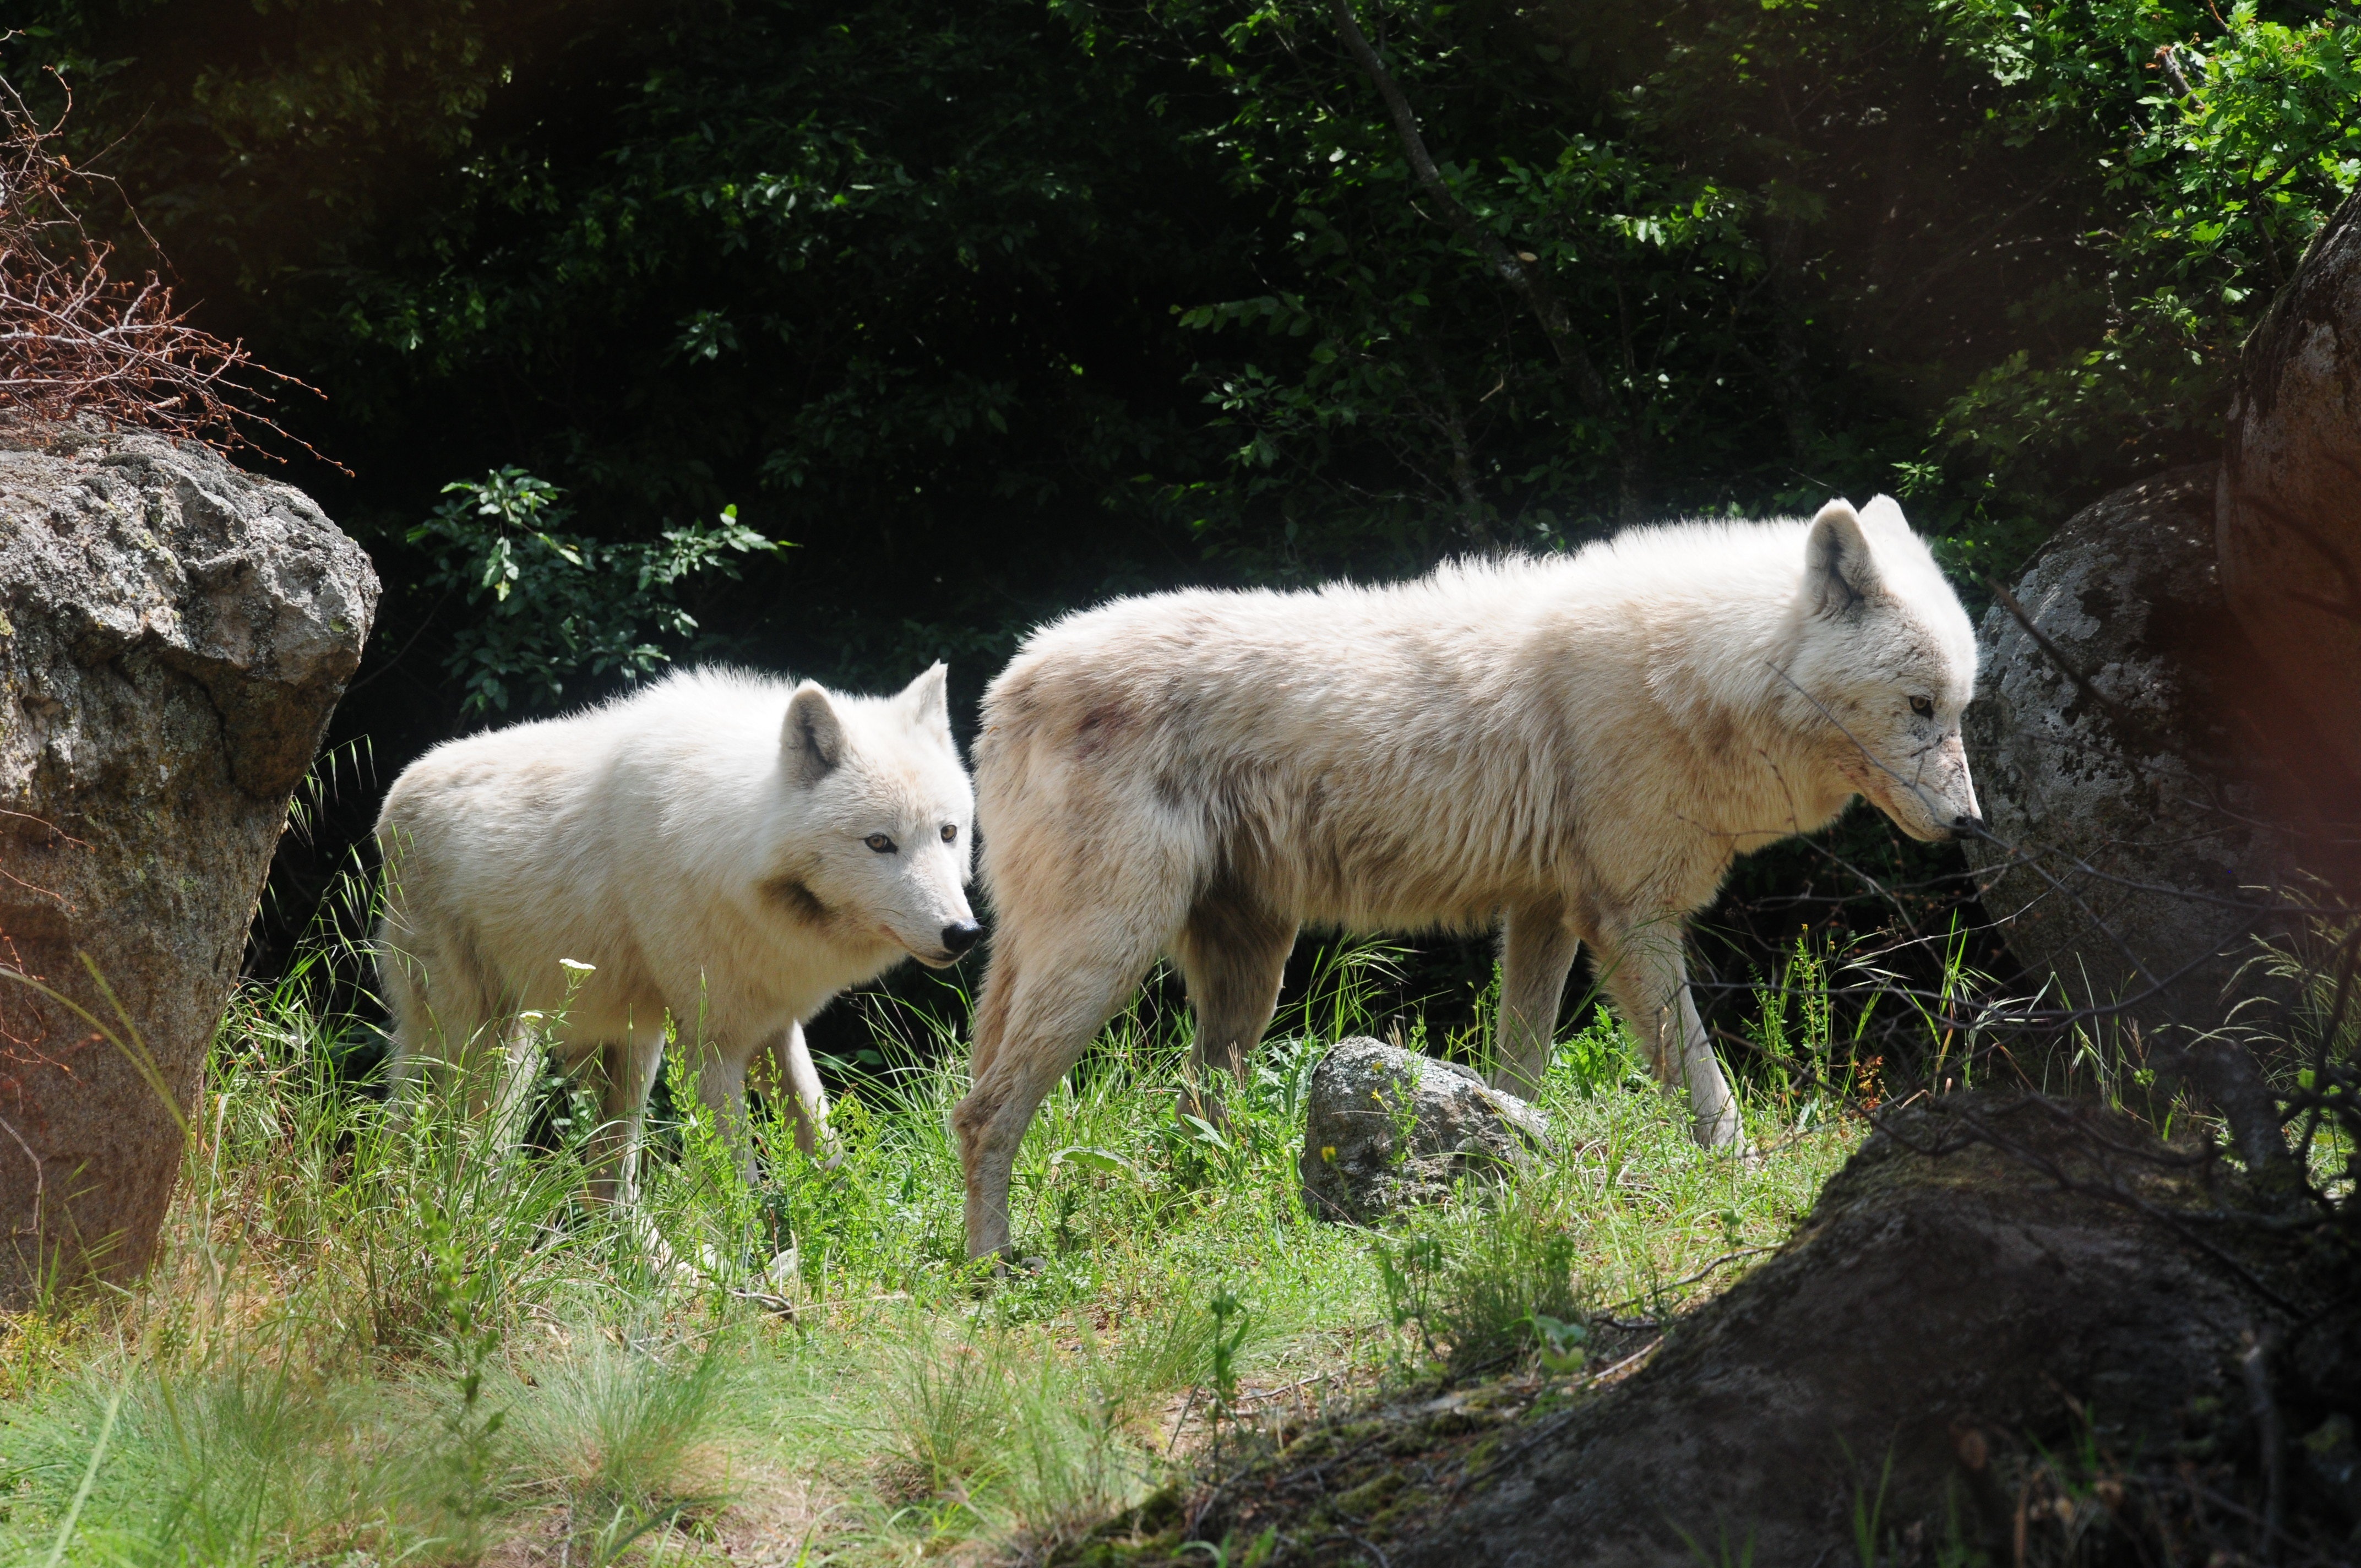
point(1574, 747)
point(724, 848)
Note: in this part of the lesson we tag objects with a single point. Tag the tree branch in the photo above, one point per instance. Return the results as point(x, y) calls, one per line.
point(1548, 311)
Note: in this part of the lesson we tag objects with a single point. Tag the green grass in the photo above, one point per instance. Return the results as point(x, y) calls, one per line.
point(379, 1341)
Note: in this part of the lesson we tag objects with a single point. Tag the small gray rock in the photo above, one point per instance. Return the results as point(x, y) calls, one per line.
point(1366, 1094)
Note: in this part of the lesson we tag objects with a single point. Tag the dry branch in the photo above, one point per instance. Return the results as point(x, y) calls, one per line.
point(78, 343)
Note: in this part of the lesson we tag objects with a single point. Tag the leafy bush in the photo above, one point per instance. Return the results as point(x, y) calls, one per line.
point(2219, 144)
point(554, 606)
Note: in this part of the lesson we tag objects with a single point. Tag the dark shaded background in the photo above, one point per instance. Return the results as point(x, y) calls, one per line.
point(997, 308)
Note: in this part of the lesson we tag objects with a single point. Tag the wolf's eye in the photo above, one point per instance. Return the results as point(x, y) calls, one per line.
point(879, 842)
point(950, 834)
point(1923, 706)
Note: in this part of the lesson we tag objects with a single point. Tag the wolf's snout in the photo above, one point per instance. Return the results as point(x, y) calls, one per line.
point(1967, 827)
point(959, 936)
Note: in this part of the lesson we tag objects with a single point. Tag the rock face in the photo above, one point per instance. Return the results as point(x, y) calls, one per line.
point(2288, 518)
point(2143, 776)
point(1358, 1164)
point(173, 635)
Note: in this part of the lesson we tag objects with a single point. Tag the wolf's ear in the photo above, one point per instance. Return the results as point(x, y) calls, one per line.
point(1884, 515)
point(925, 704)
point(811, 742)
point(1838, 570)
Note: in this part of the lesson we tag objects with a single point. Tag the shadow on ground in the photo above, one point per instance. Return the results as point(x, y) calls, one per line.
point(2013, 1331)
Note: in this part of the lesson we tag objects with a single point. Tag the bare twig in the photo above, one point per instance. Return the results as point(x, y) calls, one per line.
point(2270, 1432)
point(793, 1311)
point(40, 1187)
point(2056, 656)
point(77, 343)
point(1660, 1291)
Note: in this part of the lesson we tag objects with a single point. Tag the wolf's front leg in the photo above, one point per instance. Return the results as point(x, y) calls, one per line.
point(721, 1089)
point(1645, 970)
point(627, 1072)
point(791, 1074)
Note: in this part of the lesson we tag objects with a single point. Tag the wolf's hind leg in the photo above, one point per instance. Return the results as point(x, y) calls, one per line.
point(448, 1013)
point(1037, 1013)
point(1646, 971)
point(1233, 952)
point(1537, 948)
point(402, 984)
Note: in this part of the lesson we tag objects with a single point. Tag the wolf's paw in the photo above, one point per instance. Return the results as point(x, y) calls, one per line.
point(991, 1268)
point(663, 1262)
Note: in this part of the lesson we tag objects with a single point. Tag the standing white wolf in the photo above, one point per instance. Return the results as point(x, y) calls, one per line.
point(724, 848)
point(1574, 747)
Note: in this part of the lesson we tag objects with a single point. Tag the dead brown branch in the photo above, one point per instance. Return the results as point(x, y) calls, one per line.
point(78, 343)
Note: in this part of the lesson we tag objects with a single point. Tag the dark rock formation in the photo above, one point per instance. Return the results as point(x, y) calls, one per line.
point(174, 633)
point(2010, 1330)
point(1927, 1298)
point(2288, 520)
point(2112, 769)
point(1366, 1096)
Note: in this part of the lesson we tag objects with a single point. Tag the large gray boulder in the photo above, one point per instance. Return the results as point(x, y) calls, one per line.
point(1387, 1127)
point(2126, 820)
point(2288, 516)
point(174, 633)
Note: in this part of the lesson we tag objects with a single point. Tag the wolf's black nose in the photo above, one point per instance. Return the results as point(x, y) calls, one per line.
point(1967, 827)
point(961, 935)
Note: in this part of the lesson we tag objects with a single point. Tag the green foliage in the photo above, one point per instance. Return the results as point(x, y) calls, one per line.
point(1477, 1295)
point(620, 1427)
point(1232, 1321)
point(999, 308)
point(2216, 146)
point(1417, 402)
point(996, 308)
point(464, 1301)
point(553, 607)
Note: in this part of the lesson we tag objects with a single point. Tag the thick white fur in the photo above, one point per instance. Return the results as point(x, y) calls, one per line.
point(1574, 747)
point(703, 845)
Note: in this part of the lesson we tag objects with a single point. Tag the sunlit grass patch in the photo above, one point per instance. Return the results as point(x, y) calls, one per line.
point(378, 1338)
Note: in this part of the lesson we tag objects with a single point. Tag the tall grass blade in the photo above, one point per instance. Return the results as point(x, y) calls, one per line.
point(89, 1480)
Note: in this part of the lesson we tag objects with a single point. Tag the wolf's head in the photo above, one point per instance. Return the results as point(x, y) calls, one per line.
point(1885, 661)
point(880, 816)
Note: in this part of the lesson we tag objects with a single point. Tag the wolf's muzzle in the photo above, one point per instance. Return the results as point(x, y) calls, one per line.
point(959, 936)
